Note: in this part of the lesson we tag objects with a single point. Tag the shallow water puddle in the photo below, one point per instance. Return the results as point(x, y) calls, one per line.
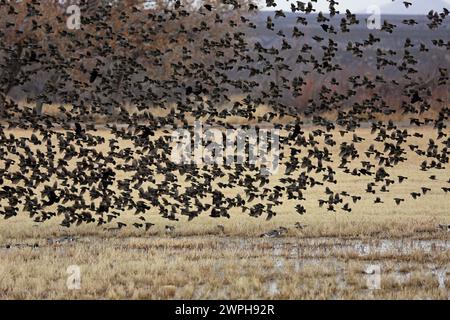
point(322, 246)
point(273, 288)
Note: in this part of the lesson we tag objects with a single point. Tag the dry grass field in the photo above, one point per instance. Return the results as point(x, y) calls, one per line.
point(327, 259)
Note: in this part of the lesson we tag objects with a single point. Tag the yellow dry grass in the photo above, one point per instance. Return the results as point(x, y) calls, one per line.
point(325, 260)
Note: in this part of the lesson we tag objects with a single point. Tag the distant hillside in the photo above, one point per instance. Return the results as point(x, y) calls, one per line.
point(388, 7)
point(418, 7)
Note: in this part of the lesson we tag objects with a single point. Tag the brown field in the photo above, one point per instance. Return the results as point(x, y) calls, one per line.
point(325, 260)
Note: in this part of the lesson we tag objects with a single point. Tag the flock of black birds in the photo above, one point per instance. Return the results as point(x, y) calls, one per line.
point(61, 170)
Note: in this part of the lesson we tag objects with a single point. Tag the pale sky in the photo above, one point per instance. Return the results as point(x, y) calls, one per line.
point(360, 6)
